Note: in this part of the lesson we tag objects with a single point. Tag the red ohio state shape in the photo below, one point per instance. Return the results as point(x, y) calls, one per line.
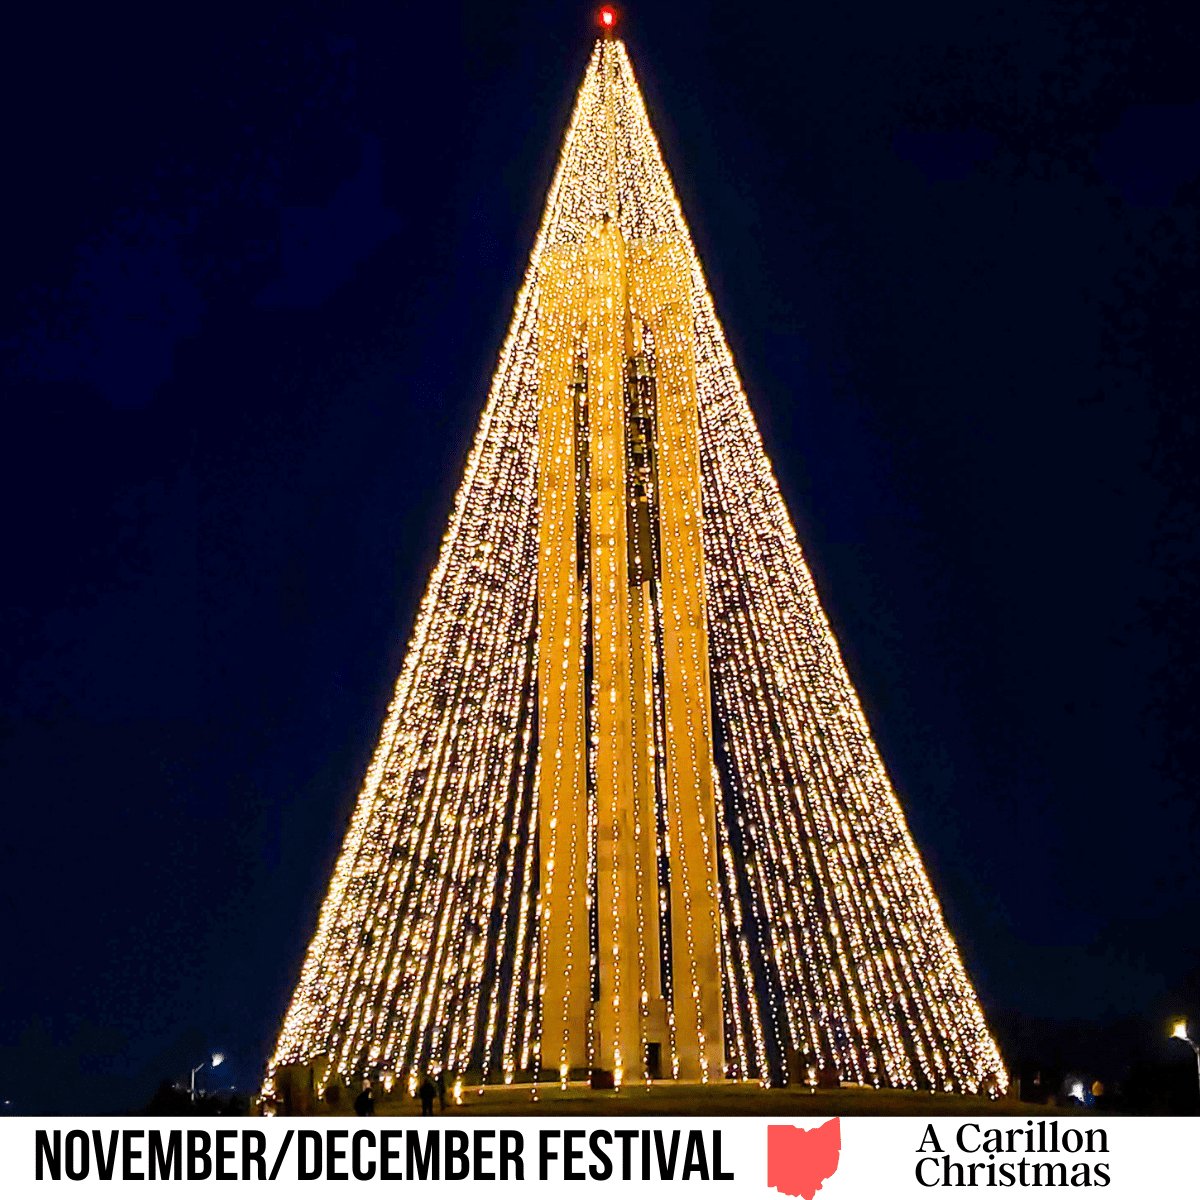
point(800, 1160)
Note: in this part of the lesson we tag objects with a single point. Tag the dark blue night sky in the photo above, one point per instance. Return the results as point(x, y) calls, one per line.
point(258, 264)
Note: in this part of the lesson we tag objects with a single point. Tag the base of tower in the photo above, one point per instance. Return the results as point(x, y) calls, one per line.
point(725, 1099)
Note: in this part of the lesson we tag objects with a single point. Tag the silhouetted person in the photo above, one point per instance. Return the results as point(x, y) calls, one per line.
point(828, 1077)
point(441, 1087)
point(806, 1073)
point(427, 1092)
point(364, 1103)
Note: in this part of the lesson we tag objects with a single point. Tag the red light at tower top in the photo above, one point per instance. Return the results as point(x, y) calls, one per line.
point(608, 18)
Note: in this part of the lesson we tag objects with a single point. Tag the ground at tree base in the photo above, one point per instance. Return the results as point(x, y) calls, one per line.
point(667, 1099)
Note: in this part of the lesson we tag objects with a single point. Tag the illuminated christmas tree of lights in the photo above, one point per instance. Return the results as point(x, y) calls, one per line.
point(831, 950)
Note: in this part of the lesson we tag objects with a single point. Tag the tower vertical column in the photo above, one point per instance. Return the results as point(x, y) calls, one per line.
point(617, 1018)
point(561, 779)
point(652, 1006)
point(695, 933)
point(642, 513)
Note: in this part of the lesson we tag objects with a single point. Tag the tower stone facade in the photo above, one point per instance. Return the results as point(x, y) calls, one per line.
point(630, 935)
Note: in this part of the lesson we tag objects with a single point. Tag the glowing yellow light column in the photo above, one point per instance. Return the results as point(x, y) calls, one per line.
point(561, 785)
point(618, 1037)
point(664, 280)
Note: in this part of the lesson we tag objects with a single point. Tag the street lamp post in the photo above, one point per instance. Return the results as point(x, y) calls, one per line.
point(217, 1060)
point(1180, 1032)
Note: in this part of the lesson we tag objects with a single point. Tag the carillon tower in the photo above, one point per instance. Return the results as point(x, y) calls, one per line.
point(629, 925)
point(626, 813)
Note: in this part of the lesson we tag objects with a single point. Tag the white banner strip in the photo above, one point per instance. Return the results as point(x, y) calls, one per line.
point(835, 1158)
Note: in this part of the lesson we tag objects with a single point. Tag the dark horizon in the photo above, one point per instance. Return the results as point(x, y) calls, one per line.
point(260, 265)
